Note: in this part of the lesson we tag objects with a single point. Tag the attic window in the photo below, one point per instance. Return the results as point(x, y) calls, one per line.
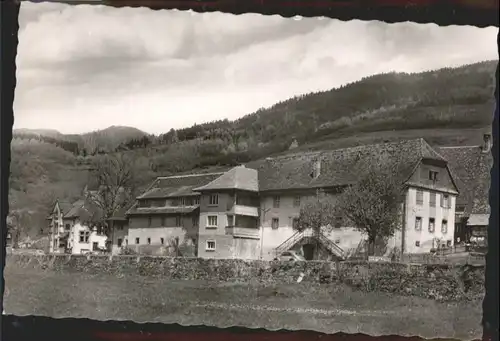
point(316, 171)
point(433, 176)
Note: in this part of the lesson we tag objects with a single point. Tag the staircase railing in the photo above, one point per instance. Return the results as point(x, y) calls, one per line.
point(287, 244)
point(297, 236)
point(333, 247)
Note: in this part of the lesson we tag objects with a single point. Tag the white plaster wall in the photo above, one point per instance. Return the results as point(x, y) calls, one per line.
point(424, 211)
point(77, 246)
point(155, 233)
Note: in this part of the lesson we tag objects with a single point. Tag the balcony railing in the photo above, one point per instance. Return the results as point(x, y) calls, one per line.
point(250, 211)
point(243, 232)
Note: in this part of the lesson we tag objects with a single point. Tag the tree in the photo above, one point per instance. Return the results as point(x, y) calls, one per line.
point(317, 212)
point(114, 175)
point(374, 202)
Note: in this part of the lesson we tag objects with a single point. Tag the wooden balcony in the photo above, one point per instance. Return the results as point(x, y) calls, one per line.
point(243, 232)
point(249, 211)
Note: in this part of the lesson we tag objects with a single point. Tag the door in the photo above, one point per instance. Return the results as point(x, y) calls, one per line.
point(308, 251)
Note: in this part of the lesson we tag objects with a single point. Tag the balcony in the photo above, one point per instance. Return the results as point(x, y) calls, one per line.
point(243, 232)
point(249, 211)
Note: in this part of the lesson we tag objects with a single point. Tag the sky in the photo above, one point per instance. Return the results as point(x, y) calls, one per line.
point(83, 68)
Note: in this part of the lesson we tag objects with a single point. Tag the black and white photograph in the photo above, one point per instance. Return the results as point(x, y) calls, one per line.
point(250, 170)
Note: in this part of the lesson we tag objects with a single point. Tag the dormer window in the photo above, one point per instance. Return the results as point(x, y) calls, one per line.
point(433, 176)
point(316, 171)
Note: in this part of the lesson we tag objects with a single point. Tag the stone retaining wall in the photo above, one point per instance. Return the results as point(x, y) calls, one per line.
point(438, 281)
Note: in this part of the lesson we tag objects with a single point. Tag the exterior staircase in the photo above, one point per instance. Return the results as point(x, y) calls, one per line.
point(309, 236)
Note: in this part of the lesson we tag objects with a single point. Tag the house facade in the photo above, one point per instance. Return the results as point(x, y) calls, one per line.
point(74, 228)
point(251, 211)
point(165, 219)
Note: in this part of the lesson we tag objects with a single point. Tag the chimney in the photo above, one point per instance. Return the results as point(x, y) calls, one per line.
point(486, 143)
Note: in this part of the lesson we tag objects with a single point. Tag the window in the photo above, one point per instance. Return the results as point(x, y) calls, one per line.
point(137, 240)
point(417, 243)
point(275, 223)
point(432, 224)
point(126, 241)
point(212, 221)
point(338, 222)
point(67, 226)
point(432, 199)
point(149, 221)
point(196, 221)
point(197, 200)
point(445, 201)
point(418, 223)
point(460, 208)
point(295, 223)
point(230, 220)
point(162, 241)
point(296, 201)
point(149, 241)
point(420, 198)
point(84, 236)
point(210, 245)
point(213, 200)
point(178, 221)
point(163, 221)
point(95, 246)
point(183, 202)
point(444, 226)
point(433, 176)
point(120, 242)
point(276, 202)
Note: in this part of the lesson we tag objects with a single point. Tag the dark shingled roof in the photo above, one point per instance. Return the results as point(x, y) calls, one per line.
point(236, 178)
point(471, 169)
point(65, 206)
point(84, 209)
point(178, 186)
point(161, 210)
point(294, 171)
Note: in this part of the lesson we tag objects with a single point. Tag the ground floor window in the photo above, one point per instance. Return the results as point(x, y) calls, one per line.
point(137, 240)
point(119, 242)
point(210, 245)
point(95, 246)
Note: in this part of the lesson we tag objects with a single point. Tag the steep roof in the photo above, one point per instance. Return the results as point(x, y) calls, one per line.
point(84, 209)
point(471, 169)
point(64, 206)
point(240, 177)
point(295, 171)
point(178, 186)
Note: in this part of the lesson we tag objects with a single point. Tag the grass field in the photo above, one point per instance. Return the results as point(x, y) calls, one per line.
point(296, 306)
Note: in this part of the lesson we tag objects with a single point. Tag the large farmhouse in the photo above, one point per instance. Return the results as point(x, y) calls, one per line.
point(250, 211)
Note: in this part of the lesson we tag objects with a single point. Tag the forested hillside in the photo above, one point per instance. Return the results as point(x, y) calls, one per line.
point(447, 106)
